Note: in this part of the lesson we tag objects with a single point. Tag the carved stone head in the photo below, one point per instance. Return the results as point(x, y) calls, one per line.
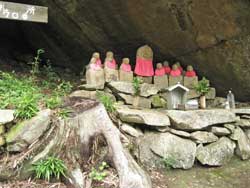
point(175, 67)
point(110, 55)
point(166, 63)
point(178, 64)
point(190, 68)
point(96, 55)
point(159, 65)
point(125, 60)
point(145, 52)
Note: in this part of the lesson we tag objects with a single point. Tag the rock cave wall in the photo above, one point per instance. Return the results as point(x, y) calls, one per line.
point(211, 35)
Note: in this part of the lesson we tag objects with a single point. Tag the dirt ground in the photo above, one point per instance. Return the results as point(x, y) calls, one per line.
point(234, 175)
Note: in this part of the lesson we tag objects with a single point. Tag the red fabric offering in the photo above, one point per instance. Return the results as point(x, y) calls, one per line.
point(111, 64)
point(175, 73)
point(160, 72)
point(144, 67)
point(167, 70)
point(95, 66)
point(99, 62)
point(190, 74)
point(126, 67)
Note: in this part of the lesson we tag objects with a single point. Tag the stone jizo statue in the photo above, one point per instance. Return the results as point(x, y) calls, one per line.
point(125, 72)
point(93, 65)
point(95, 75)
point(110, 61)
point(110, 68)
point(144, 61)
point(167, 67)
point(160, 70)
point(190, 72)
point(179, 66)
point(175, 72)
point(98, 58)
point(125, 66)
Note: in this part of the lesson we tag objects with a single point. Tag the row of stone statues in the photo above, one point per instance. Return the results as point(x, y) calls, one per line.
point(143, 68)
point(98, 73)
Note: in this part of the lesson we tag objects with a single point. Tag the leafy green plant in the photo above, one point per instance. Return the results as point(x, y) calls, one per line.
point(137, 84)
point(37, 60)
point(64, 88)
point(64, 113)
point(99, 174)
point(169, 162)
point(20, 94)
point(49, 168)
point(203, 87)
point(107, 101)
point(50, 73)
point(53, 101)
point(27, 106)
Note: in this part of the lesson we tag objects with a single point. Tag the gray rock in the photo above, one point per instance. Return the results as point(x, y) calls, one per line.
point(131, 130)
point(217, 153)
point(243, 143)
point(122, 87)
point(247, 132)
point(6, 116)
point(199, 119)
point(2, 141)
point(148, 117)
point(241, 111)
point(2, 129)
point(25, 133)
point(218, 102)
point(230, 127)
point(245, 117)
point(211, 94)
point(84, 94)
point(220, 131)
point(148, 90)
point(90, 94)
point(142, 101)
point(203, 137)
point(158, 102)
point(171, 147)
point(180, 133)
point(243, 123)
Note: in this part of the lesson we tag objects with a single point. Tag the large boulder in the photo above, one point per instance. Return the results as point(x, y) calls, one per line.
point(25, 133)
point(216, 154)
point(148, 117)
point(243, 143)
point(6, 116)
point(181, 152)
point(200, 119)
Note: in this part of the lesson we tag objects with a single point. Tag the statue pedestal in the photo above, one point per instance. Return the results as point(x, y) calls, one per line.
point(126, 76)
point(95, 78)
point(146, 79)
point(111, 74)
point(173, 80)
point(161, 82)
point(190, 82)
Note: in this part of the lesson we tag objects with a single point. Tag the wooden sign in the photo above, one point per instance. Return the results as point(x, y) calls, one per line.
point(23, 12)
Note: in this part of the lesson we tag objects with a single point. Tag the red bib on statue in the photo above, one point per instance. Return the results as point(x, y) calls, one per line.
point(144, 67)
